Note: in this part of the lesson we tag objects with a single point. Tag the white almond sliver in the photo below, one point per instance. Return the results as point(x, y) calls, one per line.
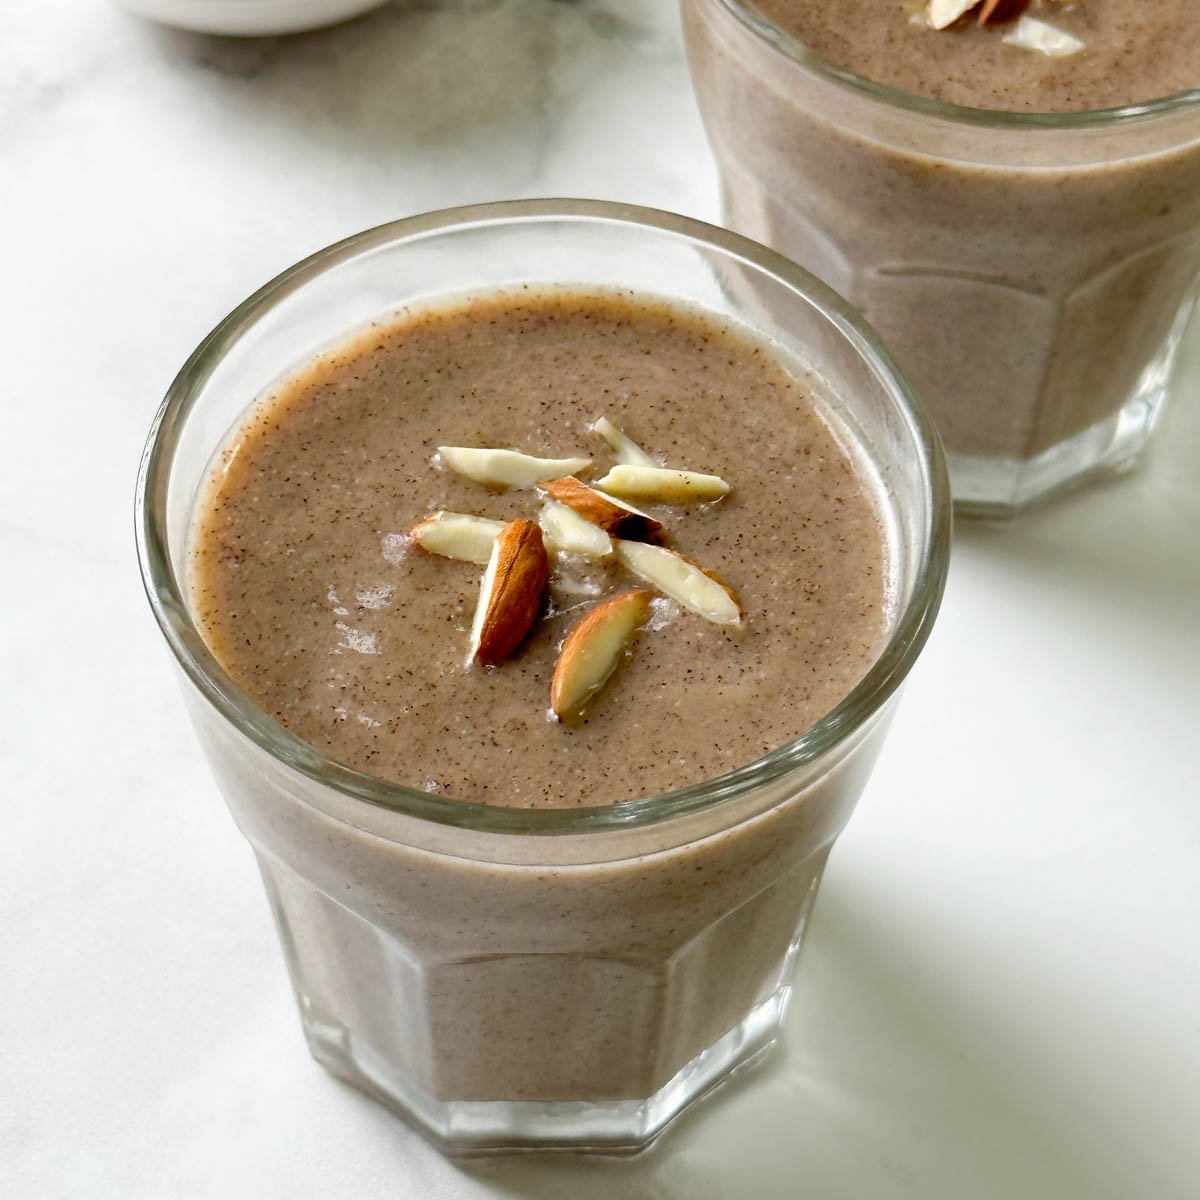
point(662, 485)
point(1031, 34)
point(458, 535)
point(566, 532)
point(628, 507)
point(627, 451)
point(941, 13)
point(507, 468)
point(682, 580)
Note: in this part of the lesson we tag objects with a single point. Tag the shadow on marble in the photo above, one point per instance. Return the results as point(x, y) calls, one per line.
point(1129, 539)
point(416, 73)
point(888, 1083)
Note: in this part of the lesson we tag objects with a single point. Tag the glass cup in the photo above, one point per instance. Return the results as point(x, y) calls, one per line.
point(1032, 273)
point(510, 978)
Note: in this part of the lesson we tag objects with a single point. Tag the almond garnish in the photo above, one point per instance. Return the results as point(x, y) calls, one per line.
point(940, 14)
point(577, 519)
point(1001, 10)
point(662, 485)
point(943, 13)
point(1032, 34)
point(507, 468)
point(697, 589)
point(567, 532)
point(592, 650)
point(510, 596)
point(627, 451)
point(601, 510)
point(457, 535)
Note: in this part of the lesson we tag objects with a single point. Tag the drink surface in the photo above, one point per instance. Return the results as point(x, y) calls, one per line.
point(1134, 50)
point(314, 599)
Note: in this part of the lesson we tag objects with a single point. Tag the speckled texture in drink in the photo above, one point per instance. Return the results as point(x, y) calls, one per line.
point(1132, 51)
point(314, 601)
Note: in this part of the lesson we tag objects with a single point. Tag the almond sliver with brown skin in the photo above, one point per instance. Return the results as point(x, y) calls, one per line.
point(601, 510)
point(457, 535)
point(510, 596)
point(566, 532)
point(662, 485)
point(625, 449)
point(686, 582)
point(592, 650)
point(1001, 10)
point(507, 468)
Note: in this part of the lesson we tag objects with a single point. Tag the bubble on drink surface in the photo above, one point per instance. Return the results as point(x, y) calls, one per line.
point(573, 583)
point(358, 640)
point(375, 597)
point(663, 611)
point(395, 546)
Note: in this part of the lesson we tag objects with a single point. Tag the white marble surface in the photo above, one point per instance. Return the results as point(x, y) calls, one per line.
point(1001, 992)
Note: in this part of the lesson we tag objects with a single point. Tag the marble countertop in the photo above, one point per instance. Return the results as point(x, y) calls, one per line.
point(1001, 990)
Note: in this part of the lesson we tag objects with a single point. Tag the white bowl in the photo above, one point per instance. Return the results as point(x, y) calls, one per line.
point(248, 18)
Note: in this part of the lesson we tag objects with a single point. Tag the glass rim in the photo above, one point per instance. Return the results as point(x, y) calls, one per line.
point(800, 52)
point(168, 599)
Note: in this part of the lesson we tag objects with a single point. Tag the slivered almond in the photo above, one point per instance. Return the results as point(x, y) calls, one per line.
point(457, 535)
point(662, 485)
point(688, 583)
point(1031, 34)
point(567, 532)
point(601, 510)
point(510, 596)
point(627, 451)
point(592, 650)
point(943, 13)
point(507, 468)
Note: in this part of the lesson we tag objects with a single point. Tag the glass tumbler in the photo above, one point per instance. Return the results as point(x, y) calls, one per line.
point(1032, 273)
point(510, 978)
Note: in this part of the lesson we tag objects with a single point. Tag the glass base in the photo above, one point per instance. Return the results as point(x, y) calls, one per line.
point(467, 1128)
point(346, 1043)
point(618, 1127)
point(1001, 487)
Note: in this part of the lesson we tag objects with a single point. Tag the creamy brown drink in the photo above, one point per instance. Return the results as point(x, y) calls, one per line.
point(343, 629)
point(538, 511)
point(1128, 52)
point(1032, 274)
